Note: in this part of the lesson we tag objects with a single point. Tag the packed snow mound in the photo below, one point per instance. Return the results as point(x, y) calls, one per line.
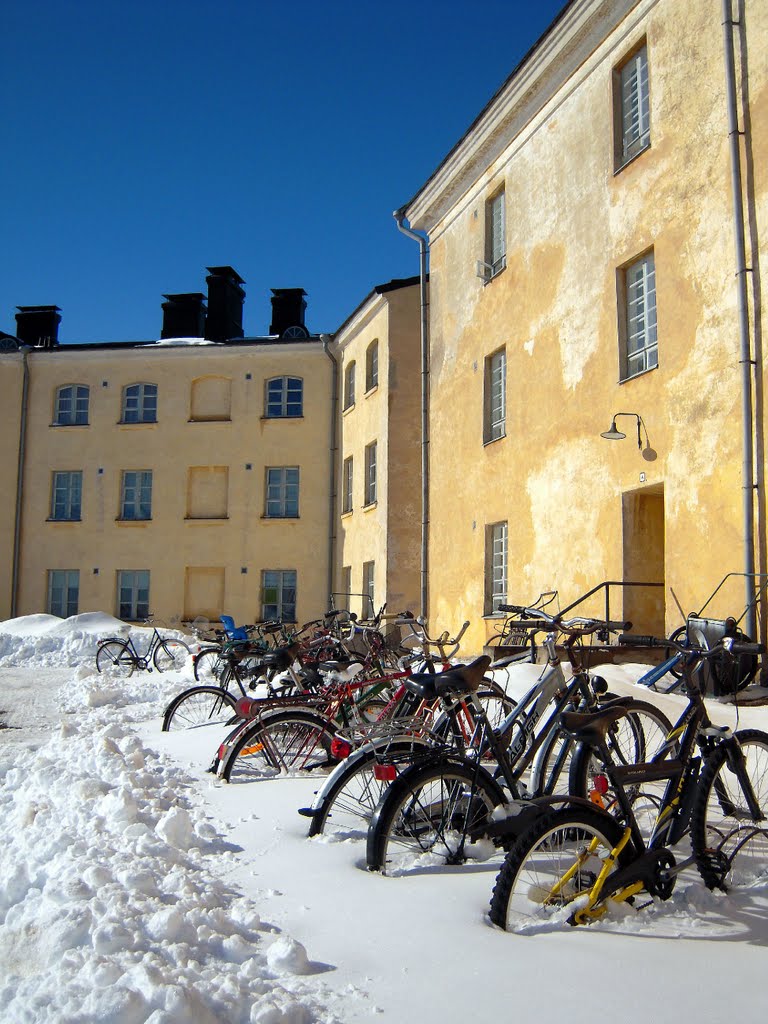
point(30, 625)
point(110, 908)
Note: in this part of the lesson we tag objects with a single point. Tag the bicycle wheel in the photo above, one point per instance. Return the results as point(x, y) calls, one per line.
point(730, 844)
point(170, 655)
point(432, 814)
point(199, 706)
point(353, 791)
point(283, 742)
point(554, 863)
point(209, 665)
point(115, 657)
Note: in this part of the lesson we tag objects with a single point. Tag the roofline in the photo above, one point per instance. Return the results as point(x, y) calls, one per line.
point(379, 289)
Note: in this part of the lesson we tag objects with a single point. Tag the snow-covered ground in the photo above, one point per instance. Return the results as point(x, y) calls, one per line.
point(134, 887)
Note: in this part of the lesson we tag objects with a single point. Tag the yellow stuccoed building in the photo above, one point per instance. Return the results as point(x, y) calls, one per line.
point(584, 281)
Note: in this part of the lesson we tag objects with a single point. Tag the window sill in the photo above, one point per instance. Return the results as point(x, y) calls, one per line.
point(370, 505)
point(70, 425)
point(206, 519)
point(140, 423)
point(494, 615)
point(280, 519)
point(372, 389)
point(346, 513)
point(51, 519)
point(631, 159)
point(210, 419)
point(133, 522)
point(640, 373)
point(493, 440)
point(347, 408)
point(496, 276)
point(300, 417)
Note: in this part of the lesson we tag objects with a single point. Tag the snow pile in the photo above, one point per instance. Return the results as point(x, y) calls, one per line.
point(47, 641)
point(109, 907)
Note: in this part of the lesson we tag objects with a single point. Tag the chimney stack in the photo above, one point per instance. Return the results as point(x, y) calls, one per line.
point(225, 304)
point(184, 316)
point(288, 308)
point(38, 326)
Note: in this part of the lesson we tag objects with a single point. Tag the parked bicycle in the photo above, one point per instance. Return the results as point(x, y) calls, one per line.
point(571, 858)
point(443, 803)
point(121, 656)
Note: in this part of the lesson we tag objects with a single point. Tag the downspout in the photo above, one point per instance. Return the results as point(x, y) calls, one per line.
point(748, 476)
point(326, 340)
point(421, 239)
point(20, 487)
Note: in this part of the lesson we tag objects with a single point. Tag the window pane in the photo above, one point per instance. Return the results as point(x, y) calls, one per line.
point(642, 342)
point(496, 585)
point(497, 377)
point(635, 104)
point(495, 233)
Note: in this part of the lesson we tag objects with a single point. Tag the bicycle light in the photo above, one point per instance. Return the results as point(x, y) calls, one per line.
point(340, 748)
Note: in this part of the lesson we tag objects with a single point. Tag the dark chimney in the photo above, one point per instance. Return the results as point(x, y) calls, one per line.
point(225, 304)
point(288, 308)
point(38, 325)
point(184, 316)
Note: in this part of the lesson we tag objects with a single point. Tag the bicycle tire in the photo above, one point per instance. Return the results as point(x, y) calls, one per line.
point(353, 793)
point(428, 811)
point(523, 895)
point(170, 655)
point(116, 657)
point(730, 846)
point(209, 666)
point(281, 742)
point(200, 706)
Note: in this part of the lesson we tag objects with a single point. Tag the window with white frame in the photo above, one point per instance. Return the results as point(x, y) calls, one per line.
point(136, 494)
point(346, 485)
point(495, 567)
point(372, 365)
point(495, 396)
point(349, 386)
point(282, 492)
point(66, 494)
point(63, 592)
point(369, 572)
point(71, 405)
point(140, 403)
point(495, 235)
point(639, 342)
point(278, 594)
point(370, 473)
point(632, 107)
point(284, 397)
point(133, 594)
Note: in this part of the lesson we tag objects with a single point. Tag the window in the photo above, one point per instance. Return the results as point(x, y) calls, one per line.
point(495, 567)
point(637, 300)
point(284, 397)
point(495, 235)
point(136, 494)
point(71, 405)
point(346, 485)
point(133, 594)
point(349, 386)
point(370, 473)
point(208, 492)
point(282, 493)
point(66, 495)
point(63, 592)
point(372, 365)
point(631, 98)
point(495, 396)
point(140, 403)
point(278, 594)
point(369, 571)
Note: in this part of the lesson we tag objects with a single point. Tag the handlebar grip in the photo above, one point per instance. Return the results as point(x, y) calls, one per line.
point(638, 640)
point(738, 647)
point(517, 608)
point(461, 632)
point(618, 627)
point(538, 624)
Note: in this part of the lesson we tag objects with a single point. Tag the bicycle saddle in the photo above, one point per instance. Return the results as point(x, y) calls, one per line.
point(459, 679)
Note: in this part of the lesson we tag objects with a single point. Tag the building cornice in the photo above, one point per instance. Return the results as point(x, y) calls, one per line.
point(576, 33)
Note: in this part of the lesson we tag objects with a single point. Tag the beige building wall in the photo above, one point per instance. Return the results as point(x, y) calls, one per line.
point(581, 509)
point(387, 531)
point(208, 538)
point(11, 375)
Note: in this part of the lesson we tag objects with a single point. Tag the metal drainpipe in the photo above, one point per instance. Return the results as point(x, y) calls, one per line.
point(748, 477)
point(20, 487)
point(399, 218)
point(326, 340)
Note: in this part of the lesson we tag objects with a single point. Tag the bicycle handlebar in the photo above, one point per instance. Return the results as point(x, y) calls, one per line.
point(726, 643)
point(535, 618)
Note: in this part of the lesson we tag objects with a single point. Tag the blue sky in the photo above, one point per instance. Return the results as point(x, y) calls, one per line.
point(146, 141)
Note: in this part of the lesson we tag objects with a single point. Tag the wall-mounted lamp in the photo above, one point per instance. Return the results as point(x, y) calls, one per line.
point(614, 434)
